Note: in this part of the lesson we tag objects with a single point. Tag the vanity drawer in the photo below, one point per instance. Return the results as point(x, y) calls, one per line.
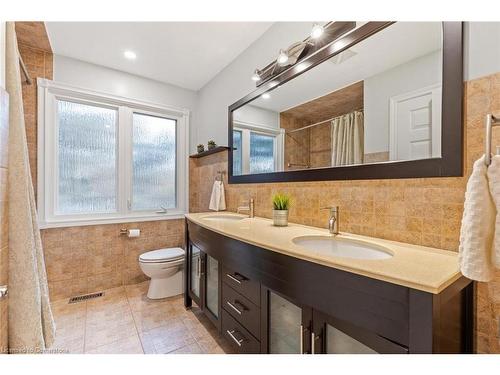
point(242, 284)
point(241, 309)
point(238, 336)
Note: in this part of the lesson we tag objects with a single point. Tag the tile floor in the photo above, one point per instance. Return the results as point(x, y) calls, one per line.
point(124, 321)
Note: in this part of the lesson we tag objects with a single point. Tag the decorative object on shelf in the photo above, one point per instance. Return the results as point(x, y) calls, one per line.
point(211, 145)
point(320, 37)
point(281, 204)
point(200, 148)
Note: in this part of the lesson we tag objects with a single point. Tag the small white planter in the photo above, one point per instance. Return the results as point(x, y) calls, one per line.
point(280, 218)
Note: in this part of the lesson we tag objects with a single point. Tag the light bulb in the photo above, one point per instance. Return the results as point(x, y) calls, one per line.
point(256, 75)
point(282, 57)
point(130, 55)
point(317, 31)
point(266, 96)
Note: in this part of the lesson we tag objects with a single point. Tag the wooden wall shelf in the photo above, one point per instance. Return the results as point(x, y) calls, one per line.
point(209, 152)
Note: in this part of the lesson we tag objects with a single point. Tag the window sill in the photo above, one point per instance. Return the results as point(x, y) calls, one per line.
point(110, 220)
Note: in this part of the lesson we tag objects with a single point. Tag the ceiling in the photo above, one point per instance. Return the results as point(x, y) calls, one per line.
point(393, 46)
point(185, 54)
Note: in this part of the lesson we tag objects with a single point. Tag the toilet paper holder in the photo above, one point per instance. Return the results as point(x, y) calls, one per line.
point(130, 232)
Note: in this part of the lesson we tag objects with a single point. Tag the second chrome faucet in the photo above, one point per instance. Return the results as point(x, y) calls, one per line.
point(333, 221)
point(250, 208)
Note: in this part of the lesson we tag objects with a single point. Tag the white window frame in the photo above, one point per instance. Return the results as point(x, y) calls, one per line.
point(48, 94)
point(279, 140)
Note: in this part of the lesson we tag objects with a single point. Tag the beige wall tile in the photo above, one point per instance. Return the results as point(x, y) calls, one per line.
point(4, 325)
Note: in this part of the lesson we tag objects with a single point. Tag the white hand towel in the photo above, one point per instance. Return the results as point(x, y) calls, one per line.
point(222, 200)
point(478, 226)
point(494, 183)
point(218, 197)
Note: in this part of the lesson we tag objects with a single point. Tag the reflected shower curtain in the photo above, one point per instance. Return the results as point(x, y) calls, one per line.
point(31, 325)
point(348, 139)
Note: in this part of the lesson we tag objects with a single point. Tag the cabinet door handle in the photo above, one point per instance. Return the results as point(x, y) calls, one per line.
point(301, 339)
point(233, 278)
point(199, 266)
point(231, 334)
point(234, 308)
point(313, 342)
point(313, 338)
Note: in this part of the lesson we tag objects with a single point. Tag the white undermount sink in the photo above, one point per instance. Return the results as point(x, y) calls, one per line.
point(223, 217)
point(341, 247)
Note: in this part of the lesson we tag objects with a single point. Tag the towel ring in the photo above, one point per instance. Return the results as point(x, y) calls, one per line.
point(220, 175)
point(491, 121)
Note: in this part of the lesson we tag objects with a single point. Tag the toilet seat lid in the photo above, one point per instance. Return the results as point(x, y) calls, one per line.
point(162, 255)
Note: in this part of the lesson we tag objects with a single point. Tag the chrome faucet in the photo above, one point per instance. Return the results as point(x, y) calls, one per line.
point(250, 208)
point(333, 221)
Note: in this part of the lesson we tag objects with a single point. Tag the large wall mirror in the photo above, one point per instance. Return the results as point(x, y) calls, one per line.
point(383, 100)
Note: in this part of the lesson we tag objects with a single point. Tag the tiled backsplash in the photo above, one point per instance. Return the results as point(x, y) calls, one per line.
point(424, 211)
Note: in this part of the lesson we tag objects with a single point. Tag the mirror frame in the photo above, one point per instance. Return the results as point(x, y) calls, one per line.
point(450, 164)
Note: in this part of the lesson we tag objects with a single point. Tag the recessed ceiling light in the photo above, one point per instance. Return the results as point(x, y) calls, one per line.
point(130, 55)
point(266, 96)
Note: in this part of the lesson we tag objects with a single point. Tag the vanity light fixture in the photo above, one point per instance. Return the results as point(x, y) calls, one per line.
point(256, 75)
point(130, 55)
point(266, 96)
point(300, 51)
point(282, 57)
point(317, 31)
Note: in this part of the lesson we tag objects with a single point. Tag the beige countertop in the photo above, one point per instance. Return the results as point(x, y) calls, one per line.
point(418, 267)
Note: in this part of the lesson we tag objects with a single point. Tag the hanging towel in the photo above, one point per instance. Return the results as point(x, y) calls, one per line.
point(478, 226)
point(494, 184)
point(218, 197)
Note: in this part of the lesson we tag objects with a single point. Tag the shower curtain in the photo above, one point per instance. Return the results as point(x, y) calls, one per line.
point(31, 325)
point(348, 139)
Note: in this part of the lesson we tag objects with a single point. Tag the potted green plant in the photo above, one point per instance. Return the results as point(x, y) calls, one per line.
point(200, 148)
point(211, 145)
point(281, 205)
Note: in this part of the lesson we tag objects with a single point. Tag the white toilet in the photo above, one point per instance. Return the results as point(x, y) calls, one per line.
point(165, 267)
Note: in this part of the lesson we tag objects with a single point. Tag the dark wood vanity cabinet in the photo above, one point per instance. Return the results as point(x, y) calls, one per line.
point(202, 282)
point(273, 303)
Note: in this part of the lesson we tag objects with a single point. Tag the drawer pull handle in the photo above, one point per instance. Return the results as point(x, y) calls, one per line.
point(231, 334)
point(234, 307)
point(234, 278)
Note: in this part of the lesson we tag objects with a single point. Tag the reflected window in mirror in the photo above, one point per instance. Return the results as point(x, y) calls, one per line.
point(237, 161)
point(257, 142)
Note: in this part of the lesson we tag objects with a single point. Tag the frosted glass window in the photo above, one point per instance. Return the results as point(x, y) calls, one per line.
point(86, 158)
point(154, 162)
point(261, 153)
point(237, 144)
